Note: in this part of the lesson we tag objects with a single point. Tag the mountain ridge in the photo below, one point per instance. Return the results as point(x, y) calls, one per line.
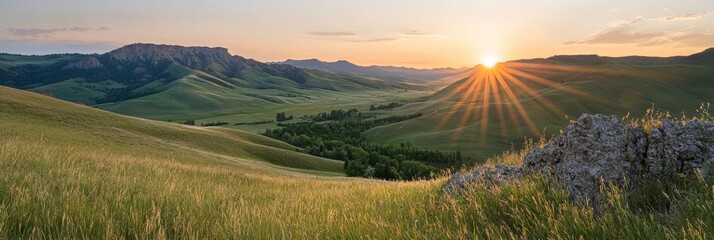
point(206, 78)
point(705, 57)
point(547, 90)
point(391, 73)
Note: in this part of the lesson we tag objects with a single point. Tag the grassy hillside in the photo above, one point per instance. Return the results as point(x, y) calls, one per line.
point(482, 122)
point(203, 97)
point(175, 82)
point(432, 77)
point(40, 118)
point(68, 171)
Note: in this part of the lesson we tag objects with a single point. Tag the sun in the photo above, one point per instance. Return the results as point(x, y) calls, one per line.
point(489, 61)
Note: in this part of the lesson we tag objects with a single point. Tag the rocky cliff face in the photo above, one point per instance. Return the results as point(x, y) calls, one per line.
point(217, 61)
point(202, 58)
point(600, 149)
point(87, 63)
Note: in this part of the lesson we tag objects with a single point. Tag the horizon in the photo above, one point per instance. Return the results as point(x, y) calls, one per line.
point(373, 119)
point(364, 65)
point(424, 35)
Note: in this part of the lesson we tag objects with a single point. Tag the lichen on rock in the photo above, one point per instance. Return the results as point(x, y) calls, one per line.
point(598, 149)
point(491, 175)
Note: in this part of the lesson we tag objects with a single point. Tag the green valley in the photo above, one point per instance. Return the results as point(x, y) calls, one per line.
point(167, 82)
point(364, 119)
point(545, 95)
point(73, 171)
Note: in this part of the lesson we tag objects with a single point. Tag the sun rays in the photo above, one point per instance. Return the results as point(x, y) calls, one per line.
point(498, 91)
point(489, 61)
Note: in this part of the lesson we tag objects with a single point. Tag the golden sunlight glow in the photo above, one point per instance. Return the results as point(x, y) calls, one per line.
point(489, 61)
point(504, 89)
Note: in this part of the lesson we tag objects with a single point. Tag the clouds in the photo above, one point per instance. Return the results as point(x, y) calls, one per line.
point(678, 30)
point(331, 34)
point(54, 40)
point(690, 16)
point(615, 36)
point(40, 47)
point(415, 33)
point(695, 39)
point(373, 40)
point(46, 32)
point(347, 36)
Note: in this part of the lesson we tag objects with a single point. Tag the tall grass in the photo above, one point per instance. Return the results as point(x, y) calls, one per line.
point(653, 117)
point(53, 191)
point(59, 181)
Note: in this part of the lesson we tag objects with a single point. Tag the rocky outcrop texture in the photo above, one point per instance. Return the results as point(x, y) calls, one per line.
point(592, 148)
point(676, 148)
point(599, 149)
point(87, 63)
point(493, 175)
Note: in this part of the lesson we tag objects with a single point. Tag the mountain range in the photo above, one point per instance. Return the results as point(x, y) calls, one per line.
point(165, 81)
point(482, 113)
point(436, 76)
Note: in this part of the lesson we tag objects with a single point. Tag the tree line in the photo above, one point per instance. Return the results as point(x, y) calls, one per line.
point(281, 116)
point(344, 140)
point(336, 115)
point(255, 122)
point(391, 105)
point(209, 124)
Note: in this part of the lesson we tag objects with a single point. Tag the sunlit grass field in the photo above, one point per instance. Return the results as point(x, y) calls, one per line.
point(480, 130)
point(196, 95)
point(69, 171)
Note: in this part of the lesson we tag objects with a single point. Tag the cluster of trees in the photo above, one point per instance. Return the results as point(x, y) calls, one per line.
point(344, 140)
point(219, 123)
point(255, 123)
point(281, 116)
point(187, 122)
point(336, 115)
point(391, 105)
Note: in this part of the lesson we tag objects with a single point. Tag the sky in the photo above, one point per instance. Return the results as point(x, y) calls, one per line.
point(412, 33)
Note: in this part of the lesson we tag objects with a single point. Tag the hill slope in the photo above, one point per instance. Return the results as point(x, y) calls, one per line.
point(477, 116)
point(164, 81)
point(432, 77)
point(68, 171)
point(33, 116)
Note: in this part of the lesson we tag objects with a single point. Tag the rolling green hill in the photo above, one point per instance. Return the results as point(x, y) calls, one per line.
point(434, 77)
point(70, 171)
point(39, 118)
point(549, 91)
point(175, 82)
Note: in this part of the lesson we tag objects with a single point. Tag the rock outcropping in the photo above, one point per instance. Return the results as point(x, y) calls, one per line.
point(495, 175)
point(599, 149)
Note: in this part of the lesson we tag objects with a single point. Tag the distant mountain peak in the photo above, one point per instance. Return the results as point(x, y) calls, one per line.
point(209, 59)
point(705, 57)
point(707, 52)
point(312, 61)
point(168, 47)
point(390, 73)
point(580, 56)
point(578, 59)
point(146, 51)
